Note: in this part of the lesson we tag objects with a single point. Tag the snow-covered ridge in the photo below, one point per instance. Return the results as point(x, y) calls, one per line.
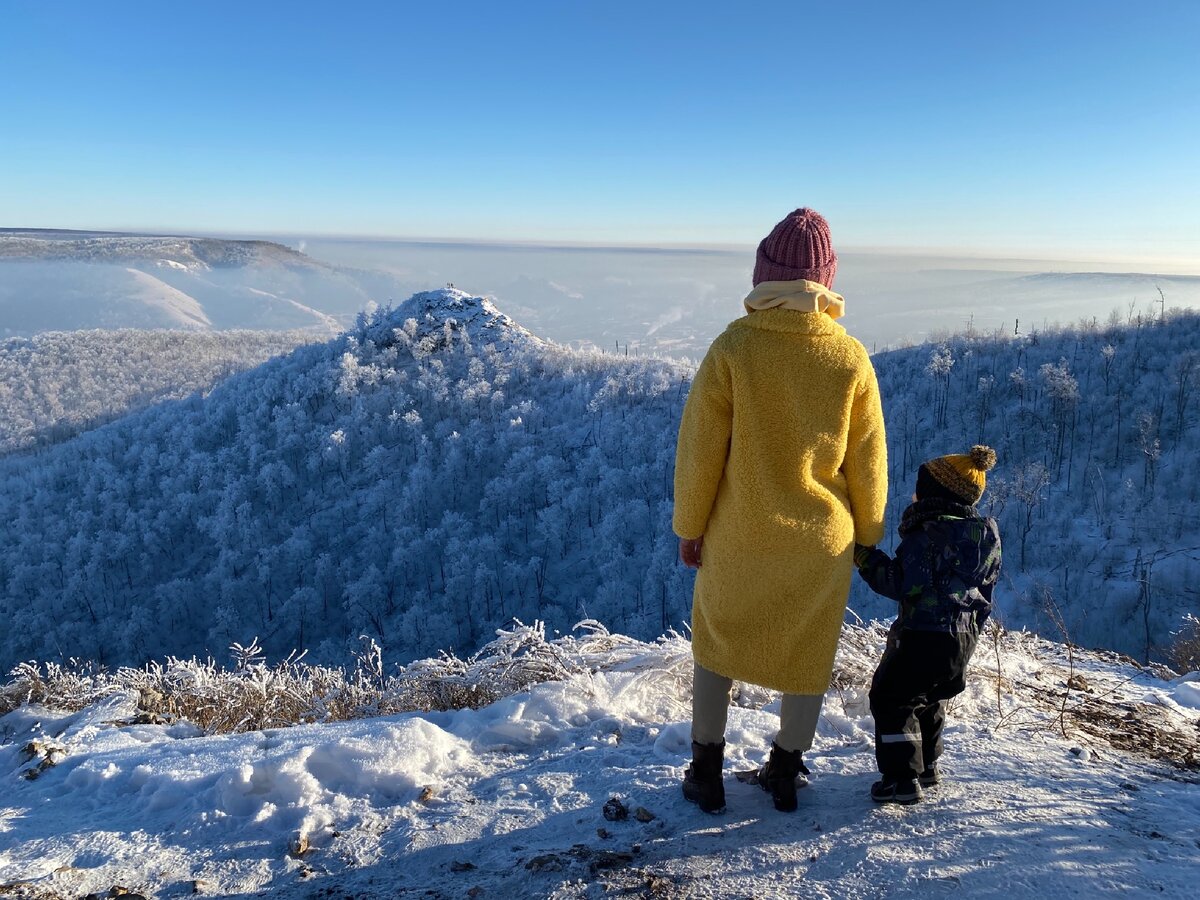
point(1067, 774)
point(63, 282)
point(188, 253)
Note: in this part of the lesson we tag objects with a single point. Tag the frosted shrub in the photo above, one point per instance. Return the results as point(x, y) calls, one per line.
point(1184, 652)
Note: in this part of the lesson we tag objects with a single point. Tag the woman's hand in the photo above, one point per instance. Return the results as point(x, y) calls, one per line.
point(689, 551)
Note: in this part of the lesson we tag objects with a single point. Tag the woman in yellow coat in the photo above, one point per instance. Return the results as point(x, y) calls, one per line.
point(781, 467)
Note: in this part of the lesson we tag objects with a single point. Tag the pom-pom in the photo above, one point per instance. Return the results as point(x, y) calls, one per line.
point(983, 458)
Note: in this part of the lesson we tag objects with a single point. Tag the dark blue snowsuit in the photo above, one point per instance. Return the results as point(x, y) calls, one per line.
point(945, 569)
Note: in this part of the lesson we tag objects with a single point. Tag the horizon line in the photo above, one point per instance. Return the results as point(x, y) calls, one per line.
point(1010, 255)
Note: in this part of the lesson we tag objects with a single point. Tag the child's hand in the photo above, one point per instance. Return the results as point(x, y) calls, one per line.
point(861, 555)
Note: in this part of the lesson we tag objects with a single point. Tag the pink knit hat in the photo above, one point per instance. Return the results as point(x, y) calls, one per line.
point(798, 247)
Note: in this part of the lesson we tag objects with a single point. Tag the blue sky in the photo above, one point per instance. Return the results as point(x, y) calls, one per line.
point(1037, 128)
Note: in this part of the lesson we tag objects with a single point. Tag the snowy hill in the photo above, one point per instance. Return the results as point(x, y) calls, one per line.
point(422, 479)
point(1068, 774)
point(439, 470)
point(59, 281)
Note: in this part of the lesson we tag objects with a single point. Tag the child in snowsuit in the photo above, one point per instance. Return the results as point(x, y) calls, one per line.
point(943, 575)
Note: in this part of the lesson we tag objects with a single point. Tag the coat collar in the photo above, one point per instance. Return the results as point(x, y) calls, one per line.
point(798, 295)
point(789, 320)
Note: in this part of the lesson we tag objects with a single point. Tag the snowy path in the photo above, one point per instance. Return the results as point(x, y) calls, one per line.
point(995, 827)
point(507, 801)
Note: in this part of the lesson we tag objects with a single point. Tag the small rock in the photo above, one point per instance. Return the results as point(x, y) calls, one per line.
point(644, 815)
point(615, 810)
point(1079, 683)
point(476, 891)
point(658, 886)
point(609, 859)
point(547, 862)
point(603, 833)
point(199, 886)
point(298, 846)
point(1129, 786)
point(427, 794)
point(47, 753)
point(458, 866)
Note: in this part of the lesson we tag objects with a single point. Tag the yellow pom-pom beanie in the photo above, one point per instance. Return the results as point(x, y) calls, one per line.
point(959, 476)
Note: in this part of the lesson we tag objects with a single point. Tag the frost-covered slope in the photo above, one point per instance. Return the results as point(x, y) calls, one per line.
point(426, 477)
point(63, 280)
point(1097, 429)
point(1049, 792)
point(58, 384)
point(438, 470)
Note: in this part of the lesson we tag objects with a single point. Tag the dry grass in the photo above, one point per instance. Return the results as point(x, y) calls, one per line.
point(251, 695)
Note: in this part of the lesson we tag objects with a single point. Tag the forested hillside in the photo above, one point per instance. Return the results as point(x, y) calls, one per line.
point(59, 383)
point(429, 475)
point(1096, 490)
point(438, 470)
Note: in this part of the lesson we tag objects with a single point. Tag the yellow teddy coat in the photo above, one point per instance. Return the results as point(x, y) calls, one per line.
point(781, 466)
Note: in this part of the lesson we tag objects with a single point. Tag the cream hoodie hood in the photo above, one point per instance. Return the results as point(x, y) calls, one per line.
point(800, 295)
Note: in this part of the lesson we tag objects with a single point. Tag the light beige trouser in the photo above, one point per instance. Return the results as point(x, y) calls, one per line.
point(710, 712)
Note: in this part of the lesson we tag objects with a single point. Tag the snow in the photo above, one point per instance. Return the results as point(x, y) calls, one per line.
point(175, 307)
point(509, 798)
point(1185, 690)
point(172, 264)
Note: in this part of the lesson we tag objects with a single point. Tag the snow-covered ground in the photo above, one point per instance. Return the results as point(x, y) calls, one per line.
point(1087, 792)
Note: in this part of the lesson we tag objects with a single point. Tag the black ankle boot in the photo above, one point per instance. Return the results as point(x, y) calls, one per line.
point(780, 776)
point(702, 782)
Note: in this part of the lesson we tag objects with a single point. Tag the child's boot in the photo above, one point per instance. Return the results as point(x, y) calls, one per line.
point(896, 790)
point(702, 782)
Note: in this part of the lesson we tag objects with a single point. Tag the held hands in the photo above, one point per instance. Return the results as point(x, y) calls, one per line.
point(861, 555)
point(689, 551)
